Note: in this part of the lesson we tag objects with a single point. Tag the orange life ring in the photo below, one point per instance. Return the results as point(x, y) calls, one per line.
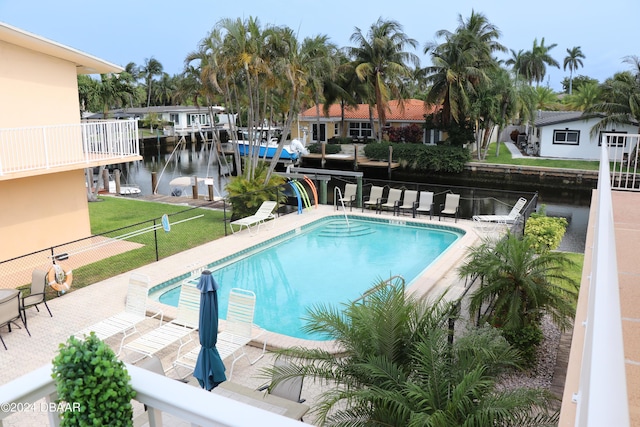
point(60, 277)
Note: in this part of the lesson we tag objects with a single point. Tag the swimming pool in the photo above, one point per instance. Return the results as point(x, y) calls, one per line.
point(324, 262)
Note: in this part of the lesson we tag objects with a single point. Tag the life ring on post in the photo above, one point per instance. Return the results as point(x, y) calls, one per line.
point(60, 277)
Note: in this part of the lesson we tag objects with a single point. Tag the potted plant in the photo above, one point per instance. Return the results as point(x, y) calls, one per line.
point(93, 383)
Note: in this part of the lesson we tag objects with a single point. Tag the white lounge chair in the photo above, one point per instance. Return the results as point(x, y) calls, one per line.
point(348, 197)
point(490, 221)
point(237, 333)
point(171, 332)
point(425, 205)
point(264, 213)
point(374, 198)
point(392, 201)
point(408, 202)
point(451, 206)
point(135, 311)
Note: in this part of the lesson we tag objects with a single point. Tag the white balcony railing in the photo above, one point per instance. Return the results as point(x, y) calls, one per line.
point(602, 393)
point(624, 157)
point(46, 147)
point(161, 395)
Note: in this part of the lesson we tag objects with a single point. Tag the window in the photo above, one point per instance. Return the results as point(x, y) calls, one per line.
point(175, 118)
point(618, 140)
point(336, 129)
point(566, 137)
point(192, 119)
point(360, 130)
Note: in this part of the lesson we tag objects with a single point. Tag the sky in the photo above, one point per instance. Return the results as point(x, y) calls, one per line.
point(123, 31)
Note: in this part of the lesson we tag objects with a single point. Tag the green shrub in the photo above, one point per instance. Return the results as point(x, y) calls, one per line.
point(420, 157)
point(525, 340)
point(316, 148)
point(92, 384)
point(546, 232)
point(246, 195)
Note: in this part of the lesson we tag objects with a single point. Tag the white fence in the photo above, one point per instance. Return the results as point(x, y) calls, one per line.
point(602, 393)
point(46, 147)
point(623, 152)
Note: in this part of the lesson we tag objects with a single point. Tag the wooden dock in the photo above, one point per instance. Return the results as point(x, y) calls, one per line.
point(349, 158)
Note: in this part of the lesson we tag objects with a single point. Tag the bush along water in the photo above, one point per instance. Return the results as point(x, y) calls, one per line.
point(93, 385)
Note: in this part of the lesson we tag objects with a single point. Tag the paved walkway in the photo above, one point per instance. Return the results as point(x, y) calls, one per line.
point(84, 307)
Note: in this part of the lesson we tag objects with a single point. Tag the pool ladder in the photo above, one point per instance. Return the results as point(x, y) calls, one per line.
point(344, 210)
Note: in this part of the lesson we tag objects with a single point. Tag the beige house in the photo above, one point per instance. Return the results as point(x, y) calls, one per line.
point(357, 122)
point(44, 146)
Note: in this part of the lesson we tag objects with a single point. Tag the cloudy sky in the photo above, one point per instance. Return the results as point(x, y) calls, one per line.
point(123, 31)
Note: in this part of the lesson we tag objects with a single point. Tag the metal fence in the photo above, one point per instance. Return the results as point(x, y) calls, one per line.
point(143, 242)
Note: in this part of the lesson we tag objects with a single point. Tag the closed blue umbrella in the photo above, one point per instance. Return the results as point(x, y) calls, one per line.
point(209, 368)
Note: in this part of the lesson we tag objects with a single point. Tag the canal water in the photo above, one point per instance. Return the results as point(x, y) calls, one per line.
point(192, 159)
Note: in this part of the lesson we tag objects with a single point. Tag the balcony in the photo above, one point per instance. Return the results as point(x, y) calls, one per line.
point(47, 149)
point(169, 402)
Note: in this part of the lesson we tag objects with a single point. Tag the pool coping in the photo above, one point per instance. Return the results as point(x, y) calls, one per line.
point(437, 278)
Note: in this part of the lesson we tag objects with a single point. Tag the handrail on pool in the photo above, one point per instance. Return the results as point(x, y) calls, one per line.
point(396, 279)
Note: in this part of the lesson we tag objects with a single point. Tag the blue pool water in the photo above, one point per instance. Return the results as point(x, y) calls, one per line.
point(324, 263)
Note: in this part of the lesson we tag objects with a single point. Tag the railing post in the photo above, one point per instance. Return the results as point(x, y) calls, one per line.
point(155, 238)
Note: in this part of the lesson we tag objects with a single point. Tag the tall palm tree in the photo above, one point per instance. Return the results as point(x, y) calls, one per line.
point(573, 60)
point(534, 62)
point(399, 367)
point(381, 60)
point(319, 57)
point(518, 285)
point(515, 62)
point(460, 65)
point(151, 68)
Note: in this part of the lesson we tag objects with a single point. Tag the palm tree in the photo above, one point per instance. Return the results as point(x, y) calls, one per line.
point(399, 366)
point(382, 62)
point(584, 97)
point(519, 285)
point(319, 57)
point(151, 68)
point(460, 65)
point(515, 62)
point(620, 99)
point(534, 62)
point(573, 60)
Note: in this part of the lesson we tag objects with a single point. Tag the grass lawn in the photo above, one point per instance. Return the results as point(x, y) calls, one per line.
point(506, 159)
point(576, 271)
point(114, 213)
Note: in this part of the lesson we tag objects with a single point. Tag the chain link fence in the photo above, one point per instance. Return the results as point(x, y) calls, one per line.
point(104, 255)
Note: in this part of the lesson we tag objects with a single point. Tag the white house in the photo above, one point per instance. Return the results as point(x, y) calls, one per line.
point(185, 119)
point(566, 134)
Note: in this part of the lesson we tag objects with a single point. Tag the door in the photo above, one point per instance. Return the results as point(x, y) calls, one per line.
point(323, 132)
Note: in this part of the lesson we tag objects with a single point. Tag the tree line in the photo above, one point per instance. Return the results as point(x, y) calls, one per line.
point(267, 75)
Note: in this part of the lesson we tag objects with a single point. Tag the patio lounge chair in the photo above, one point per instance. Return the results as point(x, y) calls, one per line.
point(237, 333)
point(425, 204)
point(135, 311)
point(37, 294)
point(408, 202)
point(392, 201)
point(483, 221)
point(348, 197)
point(451, 206)
point(171, 332)
point(374, 198)
point(10, 311)
point(288, 388)
point(264, 212)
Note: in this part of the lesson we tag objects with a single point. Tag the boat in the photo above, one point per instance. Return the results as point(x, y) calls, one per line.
point(125, 190)
point(269, 145)
point(181, 186)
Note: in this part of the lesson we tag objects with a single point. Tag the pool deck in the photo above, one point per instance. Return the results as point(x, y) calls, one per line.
point(89, 305)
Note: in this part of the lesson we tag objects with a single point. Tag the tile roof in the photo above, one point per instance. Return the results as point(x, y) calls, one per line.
point(414, 110)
